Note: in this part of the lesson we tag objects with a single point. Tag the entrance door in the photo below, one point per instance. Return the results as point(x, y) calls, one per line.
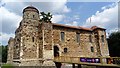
point(56, 54)
point(56, 51)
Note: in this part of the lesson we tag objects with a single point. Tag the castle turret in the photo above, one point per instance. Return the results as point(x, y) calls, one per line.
point(101, 41)
point(31, 12)
point(27, 37)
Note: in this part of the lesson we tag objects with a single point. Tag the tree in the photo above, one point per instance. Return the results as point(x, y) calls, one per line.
point(0, 52)
point(4, 54)
point(46, 17)
point(114, 44)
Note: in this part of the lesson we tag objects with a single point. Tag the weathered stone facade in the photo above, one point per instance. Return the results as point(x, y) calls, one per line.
point(35, 41)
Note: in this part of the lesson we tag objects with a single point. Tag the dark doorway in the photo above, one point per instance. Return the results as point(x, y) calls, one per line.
point(56, 51)
point(56, 54)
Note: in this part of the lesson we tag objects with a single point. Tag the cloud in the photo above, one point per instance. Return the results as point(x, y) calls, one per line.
point(108, 18)
point(10, 20)
point(5, 37)
point(57, 18)
point(74, 23)
point(108, 6)
point(11, 13)
point(76, 17)
point(66, 9)
point(53, 7)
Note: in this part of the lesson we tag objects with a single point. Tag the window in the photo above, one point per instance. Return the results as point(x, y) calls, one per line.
point(62, 36)
point(90, 38)
point(92, 49)
point(78, 37)
point(32, 39)
point(16, 47)
point(33, 16)
point(102, 37)
point(65, 50)
point(18, 39)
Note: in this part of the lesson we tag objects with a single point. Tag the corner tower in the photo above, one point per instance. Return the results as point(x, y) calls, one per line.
point(31, 12)
point(28, 46)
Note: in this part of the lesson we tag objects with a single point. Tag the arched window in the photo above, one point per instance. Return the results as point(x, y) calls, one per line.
point(92, 49)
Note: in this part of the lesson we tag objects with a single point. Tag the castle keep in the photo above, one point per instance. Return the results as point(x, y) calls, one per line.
point(38, 42)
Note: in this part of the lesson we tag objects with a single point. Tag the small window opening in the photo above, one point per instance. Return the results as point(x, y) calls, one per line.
point(65, 50)
point(33, 16)
point(32, 39)
point(92, 49)
point(62, 36)
point(90, 38)
point(78, 37)
point(102, 37)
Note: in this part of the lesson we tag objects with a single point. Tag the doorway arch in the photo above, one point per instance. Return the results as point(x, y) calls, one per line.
point(56, 54)
point(56, 51)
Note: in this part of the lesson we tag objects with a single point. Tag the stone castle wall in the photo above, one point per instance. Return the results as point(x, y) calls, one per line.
point(75, 49)
point(10, 50)
point(103, 45)
point(35, 40)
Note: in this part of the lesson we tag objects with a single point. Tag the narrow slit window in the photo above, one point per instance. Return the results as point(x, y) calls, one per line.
point(32, 39)
point(102, 37)
point(78, 37)
point(33, 16)
point(92, 49)
point(90, 38)
point(62, 36)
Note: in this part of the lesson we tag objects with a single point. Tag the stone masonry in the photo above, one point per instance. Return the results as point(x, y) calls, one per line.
point(35, 41)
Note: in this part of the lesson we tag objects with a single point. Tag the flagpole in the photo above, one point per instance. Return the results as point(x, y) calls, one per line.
point(90, 19)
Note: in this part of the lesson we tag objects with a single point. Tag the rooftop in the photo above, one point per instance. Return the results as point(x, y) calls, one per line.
point(30, 8)
point(79, 27)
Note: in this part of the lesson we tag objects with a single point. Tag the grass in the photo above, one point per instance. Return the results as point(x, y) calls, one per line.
point(6, 66)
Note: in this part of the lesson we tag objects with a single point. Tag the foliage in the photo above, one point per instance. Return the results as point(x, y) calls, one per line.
point(0, 53)
point(114, 44)
point(4, 54)
point(46, 17)
point(0, 50)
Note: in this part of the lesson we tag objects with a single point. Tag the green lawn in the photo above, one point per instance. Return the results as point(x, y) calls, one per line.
point(6, 66)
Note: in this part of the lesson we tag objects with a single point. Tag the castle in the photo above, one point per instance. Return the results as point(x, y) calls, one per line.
point(38, 42)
